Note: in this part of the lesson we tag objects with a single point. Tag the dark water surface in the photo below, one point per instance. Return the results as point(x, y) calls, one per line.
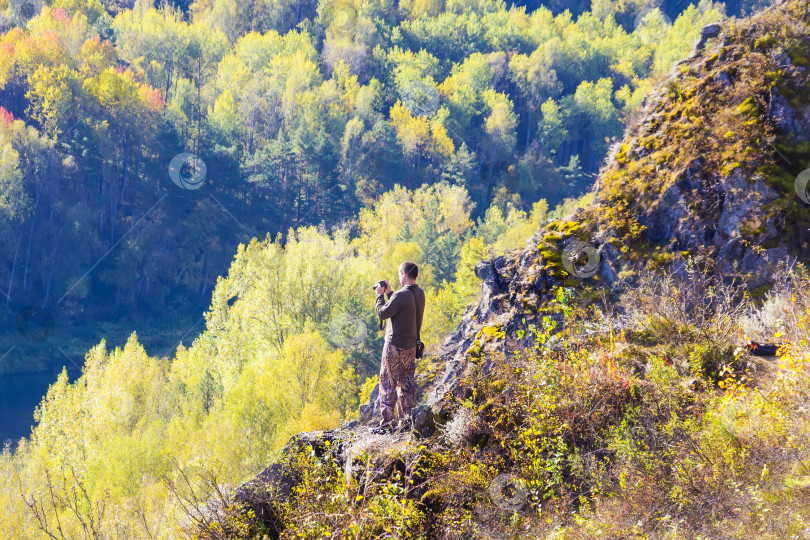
point(32, 365)
point(20, 393)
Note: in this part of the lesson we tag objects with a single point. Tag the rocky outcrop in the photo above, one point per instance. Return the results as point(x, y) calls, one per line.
point(709, 31)
point(730, 222)
point(266, 492)
point(511, 289)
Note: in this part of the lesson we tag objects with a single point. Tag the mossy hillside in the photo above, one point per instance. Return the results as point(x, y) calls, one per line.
point(657, 426)
point(711, 120)
point(485, 335)
point(549, 251)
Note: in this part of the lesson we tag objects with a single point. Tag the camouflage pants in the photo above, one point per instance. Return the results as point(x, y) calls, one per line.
point(397, 386)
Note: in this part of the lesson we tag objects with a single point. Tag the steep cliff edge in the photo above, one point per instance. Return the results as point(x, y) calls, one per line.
point(709, 176)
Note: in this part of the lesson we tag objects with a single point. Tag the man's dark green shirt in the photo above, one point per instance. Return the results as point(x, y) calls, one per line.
point(405, 311)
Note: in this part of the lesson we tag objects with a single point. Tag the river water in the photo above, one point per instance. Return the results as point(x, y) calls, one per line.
point(20, 393)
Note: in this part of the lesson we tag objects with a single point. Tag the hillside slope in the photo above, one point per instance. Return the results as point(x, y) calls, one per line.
point(706, 174)
point(701, 192)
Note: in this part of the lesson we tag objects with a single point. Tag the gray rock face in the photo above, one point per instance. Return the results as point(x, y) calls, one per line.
point(725, 79)
point(709, 31)
point(511, 289)
point(726, 206)
point(787, 119)
point(267, 490)
point(371, 410)
point(423, 421)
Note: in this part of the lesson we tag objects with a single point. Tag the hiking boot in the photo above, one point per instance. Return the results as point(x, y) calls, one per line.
point(405, 427)
point(382, 430)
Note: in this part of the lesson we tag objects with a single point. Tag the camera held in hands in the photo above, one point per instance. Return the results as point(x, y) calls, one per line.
point(381, 283)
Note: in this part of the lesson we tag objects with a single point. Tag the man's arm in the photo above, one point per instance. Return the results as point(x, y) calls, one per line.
point(388, 310)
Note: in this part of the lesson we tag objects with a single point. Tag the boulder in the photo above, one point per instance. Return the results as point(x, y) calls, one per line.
point(709, 31)
point(423, 421)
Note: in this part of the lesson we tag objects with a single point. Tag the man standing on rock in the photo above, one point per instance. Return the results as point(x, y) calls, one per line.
point(405, 308)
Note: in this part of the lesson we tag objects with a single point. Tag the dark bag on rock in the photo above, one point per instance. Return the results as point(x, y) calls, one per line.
point(758, 349)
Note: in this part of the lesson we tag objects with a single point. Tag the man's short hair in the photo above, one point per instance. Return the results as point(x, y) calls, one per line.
point(410, 269)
